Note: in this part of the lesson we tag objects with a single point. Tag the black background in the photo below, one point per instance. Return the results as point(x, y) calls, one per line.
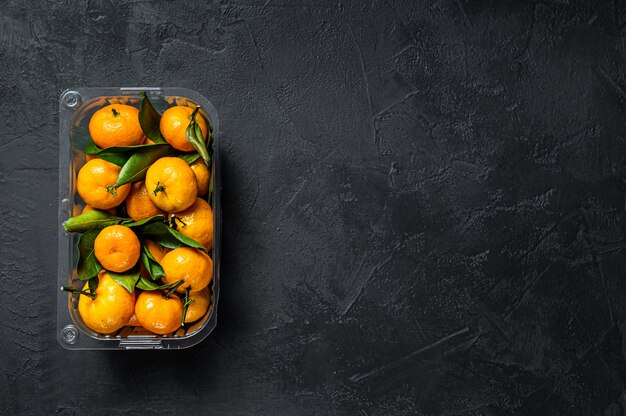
point(424, 206)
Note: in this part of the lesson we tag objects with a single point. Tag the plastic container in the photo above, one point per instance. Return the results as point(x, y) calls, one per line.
point(76, 105)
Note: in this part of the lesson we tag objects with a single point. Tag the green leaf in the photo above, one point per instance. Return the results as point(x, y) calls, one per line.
point(145, 284)
point(189, 157)
point(162, 234)
point(150, 263)
point(139, 223)
point(93, 284)
point(88, 265)
point(81, 140)
point(209, 140)
point(135, 168)
point(91, 148)
point(127, 279)
point(119, 155)
point(91, 220)
point(149, 120)
point(194, 137)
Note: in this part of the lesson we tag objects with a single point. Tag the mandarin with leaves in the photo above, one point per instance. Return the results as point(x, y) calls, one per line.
point(108, 308)
point(191, 265)
point(96, 184)
point(203, 176)
point(117, 248)
point(139, 206)
point(171, 184)
point(158, 312)
point(173, 126)
point(116, 125)
point(196, 222)
point(197, 308)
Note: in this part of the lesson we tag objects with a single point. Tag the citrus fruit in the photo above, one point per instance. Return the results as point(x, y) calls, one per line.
point(196, 222)
point(189, 264)
point(173, 126)
point(133, 321)
point(88, 208)
point(158, 314)
point(116, 125)
point(95, 184)
point(138, 204)
point(171, 184)
point(117, 248)
point(201, 302)
point(157, 250)
point(110, 310)
point(203, 176)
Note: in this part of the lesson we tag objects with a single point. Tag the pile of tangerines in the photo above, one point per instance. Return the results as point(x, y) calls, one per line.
point(147, 224)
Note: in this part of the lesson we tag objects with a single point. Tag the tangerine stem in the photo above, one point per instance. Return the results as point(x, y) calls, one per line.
point(186, 305)
point(173, 221)
point(115, 113)
point(81, 292)
point(173, 288)
point(159, 188)
point(112, 189)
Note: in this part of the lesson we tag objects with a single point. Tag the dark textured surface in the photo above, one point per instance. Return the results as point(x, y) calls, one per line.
point(424, 205)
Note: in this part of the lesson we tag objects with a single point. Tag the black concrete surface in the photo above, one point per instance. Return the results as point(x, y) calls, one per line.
point(424, 205)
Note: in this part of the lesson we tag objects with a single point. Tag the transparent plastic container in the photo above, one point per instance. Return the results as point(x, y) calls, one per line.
point(76, 105)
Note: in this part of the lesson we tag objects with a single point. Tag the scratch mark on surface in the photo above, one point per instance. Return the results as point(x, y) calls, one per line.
point(307, 178)
point(249, 211)
point(357, 287)
point(131, 51)
point(616, 87)
point(582, 327)
point(358, 377)
point(234, 22)
point(360, 285)
point(598, 266)
point(360, 265)
point(367, 84)
point(592, 19)
point(467, 21)
point(606, 292)
point(531, 31)
point(525, 254)
point(420, 329)
point(256, 50)
point(399, 17)
point(401, 51)
point(34, 129)
point(293, 197)
point(403, 99)
point(518, 302)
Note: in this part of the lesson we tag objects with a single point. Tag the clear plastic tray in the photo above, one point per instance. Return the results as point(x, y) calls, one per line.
point(76, 105)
